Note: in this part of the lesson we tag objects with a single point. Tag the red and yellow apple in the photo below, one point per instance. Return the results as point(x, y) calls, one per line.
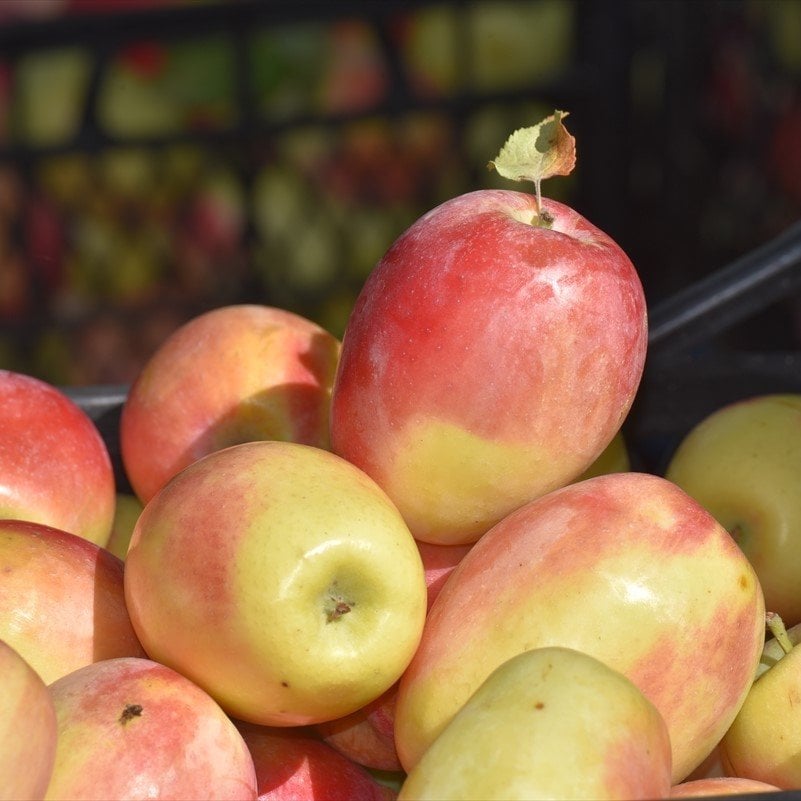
point(55, 466)
point(489, 359)
point(132, 728)
point(62, 599)
point(230, 375)
point(27, 729)
point(281, 579)
point(548, 723)
point(625, 567)
point(742, 463)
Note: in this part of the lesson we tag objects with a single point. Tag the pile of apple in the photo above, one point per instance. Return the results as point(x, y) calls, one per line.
point(412, 564)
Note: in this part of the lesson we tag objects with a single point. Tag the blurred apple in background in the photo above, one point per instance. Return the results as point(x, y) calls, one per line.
point(55, 466)
point(293, 764)
point(548, 723)
point(231, 375)
point(281, 579)
point(626, 567)
point(764, 741)
point(742, 463)
point(132, 728)
point(613, 459)
point(126, 513)
point(27, 729)
point(62, 601)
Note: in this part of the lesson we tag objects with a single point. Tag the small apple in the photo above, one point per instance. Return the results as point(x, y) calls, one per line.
point(293, 764)
point(742, 463)
point(55, 466)
point(27, 729)
point(233, 374)
point(126, 512)
point(548, 723)
point(626, 567)
point(62, 599)
point(132, 728)
point(281, 579)
point(717, 786)
point(764, 741)
point(490, 357)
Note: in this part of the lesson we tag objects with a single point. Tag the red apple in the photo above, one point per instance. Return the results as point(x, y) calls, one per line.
point(439, 561)
point(231, 375)
point(292, 764)
point(625, 567)
point(27, 729)
point(62, 599)
point(135, 729)
point(488, 360)
point(54, 464)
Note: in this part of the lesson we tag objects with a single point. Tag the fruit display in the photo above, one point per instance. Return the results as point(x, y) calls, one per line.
point(270, 615)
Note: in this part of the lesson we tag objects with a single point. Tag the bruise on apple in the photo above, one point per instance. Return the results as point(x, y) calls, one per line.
point(130, 712)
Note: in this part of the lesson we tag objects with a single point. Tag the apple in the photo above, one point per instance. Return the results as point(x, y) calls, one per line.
point(126, 512)
point(742, 463)
point(548, 723)
point(62, 599)
point(613, 459)
point(717, 786)
point(491, 356)
point(764, 741)
point(281, 579)
point(27, 729)
point(233, 374)
point(135, 729)
point(55, 466)
point(626, 567)
point(293, 764)
point(439, 561)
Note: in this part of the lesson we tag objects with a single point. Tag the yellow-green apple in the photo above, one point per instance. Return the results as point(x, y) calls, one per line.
point(293, 764)
point(135, 729)
point(230, 375)
point(717, 786)
point(27, 729)
point(488, 359)
point(626, 567)
point(548, 723)
point(742, 462)
point(764, 741)
point(127, 509)
point(281, 579)
point(62, 599)
point(55, 467)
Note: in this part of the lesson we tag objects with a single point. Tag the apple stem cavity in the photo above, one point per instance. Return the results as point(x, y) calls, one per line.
point(537, 153)
point(336, 607)
point(777, 629)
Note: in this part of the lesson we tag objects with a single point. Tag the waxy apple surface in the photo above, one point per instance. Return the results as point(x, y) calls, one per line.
point(487, 361)
point(27, 729)
point(625, 567)
point(742, 462)
point(55, 468)
point(233, 374)
point(281, 579)
point(548, 723)
point(134, 729)
point(62, 600)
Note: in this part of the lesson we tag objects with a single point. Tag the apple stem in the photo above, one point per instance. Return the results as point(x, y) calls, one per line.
point(778, 630)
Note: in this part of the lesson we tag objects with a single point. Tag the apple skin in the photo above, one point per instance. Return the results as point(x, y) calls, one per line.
point(132, 728)
point(487, 361)
point(548, 723)
point(126, 512)
point(27, 729)
point(62, 600)
point(233, 374)
point(613, 459)
point(281, 579)
point(626, 567)
point(55, 466)
point(717, 786)
point(764, 741)
point(742, 463)
point(439, 561)
point(293, 764)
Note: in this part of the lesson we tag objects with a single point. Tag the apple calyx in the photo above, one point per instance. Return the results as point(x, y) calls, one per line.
point(777, 628)
point(336, 605)
point(536, 153)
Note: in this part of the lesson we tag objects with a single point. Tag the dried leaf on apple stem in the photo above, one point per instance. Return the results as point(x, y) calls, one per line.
point(538, 152)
